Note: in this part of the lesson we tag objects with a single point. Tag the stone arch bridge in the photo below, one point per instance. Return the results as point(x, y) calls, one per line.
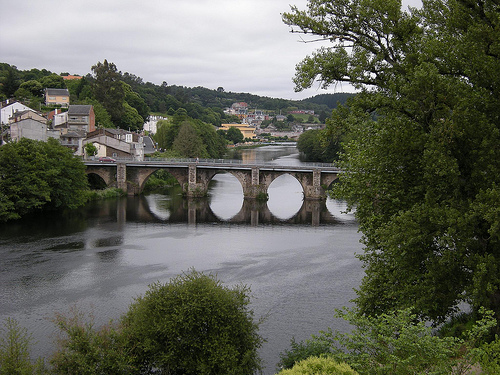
point(195, 175)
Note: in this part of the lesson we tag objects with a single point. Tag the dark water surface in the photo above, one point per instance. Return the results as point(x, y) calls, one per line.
point(101, 257)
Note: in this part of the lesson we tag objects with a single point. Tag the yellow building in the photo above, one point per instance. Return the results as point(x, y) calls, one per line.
point(247, 130)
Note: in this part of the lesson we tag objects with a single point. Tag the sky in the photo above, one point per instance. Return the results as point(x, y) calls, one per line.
point(240, 45)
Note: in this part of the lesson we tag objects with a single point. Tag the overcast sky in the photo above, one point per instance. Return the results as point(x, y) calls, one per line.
point(241, 45)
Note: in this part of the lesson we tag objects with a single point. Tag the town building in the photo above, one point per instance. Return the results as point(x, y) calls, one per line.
point(57, 97)
point(247, 130)
point(117, 143)
point(8, 109)
point(81, 118)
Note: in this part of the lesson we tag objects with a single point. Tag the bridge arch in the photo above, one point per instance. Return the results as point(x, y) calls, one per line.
point(107, 174)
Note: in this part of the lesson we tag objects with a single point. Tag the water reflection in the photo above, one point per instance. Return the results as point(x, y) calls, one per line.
point(197, 211)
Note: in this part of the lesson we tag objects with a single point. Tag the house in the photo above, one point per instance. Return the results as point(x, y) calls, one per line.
point(59, 118)
point(151, 125)
point(26, 114)
point(73, 139)
point(57, 97)
point(28, 128)
point(117, 143)
point(81, 118)
point(8, 110)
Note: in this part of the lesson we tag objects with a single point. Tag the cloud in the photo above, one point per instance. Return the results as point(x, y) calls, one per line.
point(241, 45)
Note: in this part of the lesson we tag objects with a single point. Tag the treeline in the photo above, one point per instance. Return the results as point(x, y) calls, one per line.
point(125, 101)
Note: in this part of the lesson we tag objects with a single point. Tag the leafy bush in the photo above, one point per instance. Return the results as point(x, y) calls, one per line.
point(193, 325)
point(107, 193)
point(14, 351)
point(302, 350)
point(319, 366)
point(85, 350)
point(398, 344)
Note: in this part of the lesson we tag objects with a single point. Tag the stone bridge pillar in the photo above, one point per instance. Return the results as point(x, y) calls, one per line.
point(314, 190)
point(121, 176)
point(255, 186)
point(198, 180)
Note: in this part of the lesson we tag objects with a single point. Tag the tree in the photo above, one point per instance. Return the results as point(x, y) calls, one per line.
point(135, 101)
point(90, 150)
point(193, 325)
point(53, 81)
point(421, 160)
point(10, 81)
point(66, 176)
point(233, 134)
point(188, 142)
point(108, 89)
point(39, 174)
point(102, 117)
point(34, 87)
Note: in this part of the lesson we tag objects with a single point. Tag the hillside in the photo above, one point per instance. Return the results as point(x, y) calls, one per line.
point(142, 98)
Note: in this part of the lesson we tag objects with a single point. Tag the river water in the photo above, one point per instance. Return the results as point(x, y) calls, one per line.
point(299, 267)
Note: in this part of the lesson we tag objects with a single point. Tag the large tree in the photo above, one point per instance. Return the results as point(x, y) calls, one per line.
point(422, 160)
point(109, 89)
point(35, 175)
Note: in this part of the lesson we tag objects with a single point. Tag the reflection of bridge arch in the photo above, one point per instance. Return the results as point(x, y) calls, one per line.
point(252, 212)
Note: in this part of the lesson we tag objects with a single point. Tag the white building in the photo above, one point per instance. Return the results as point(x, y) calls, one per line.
point(8, 111)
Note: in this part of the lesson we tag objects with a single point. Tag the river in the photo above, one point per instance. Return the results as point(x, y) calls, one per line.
point(101, 257)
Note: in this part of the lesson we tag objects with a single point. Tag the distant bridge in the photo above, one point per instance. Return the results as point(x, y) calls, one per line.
point(194, 175)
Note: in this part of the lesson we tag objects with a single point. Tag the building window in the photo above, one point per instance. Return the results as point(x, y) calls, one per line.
point(128, 138)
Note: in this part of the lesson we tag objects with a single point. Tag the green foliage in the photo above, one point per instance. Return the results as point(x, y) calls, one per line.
point(234, 135)
point(188, 142)
point(159, 180)
point(131, 119)
point(14, 351)
point(316, 146)
point(319, 366)
point(87, 351)
point(108, 193)
point(53, 81)
point(421, 150)
point(303, 350)
point(193, 325)
point(197, 139)
point(102, 117)
point(397, 343)
point(109, 90)
point(90, 149)
point(39, 174)
point(9, 81)
point(34, 88)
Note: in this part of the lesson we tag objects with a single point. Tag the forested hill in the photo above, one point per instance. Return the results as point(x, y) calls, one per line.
point(140, 99)
point(219, 98)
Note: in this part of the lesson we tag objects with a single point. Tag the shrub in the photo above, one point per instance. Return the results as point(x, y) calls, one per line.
point(85, 350)
point(302, 350)
point(14, 351)
point(319, 366)
point(193, 325)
